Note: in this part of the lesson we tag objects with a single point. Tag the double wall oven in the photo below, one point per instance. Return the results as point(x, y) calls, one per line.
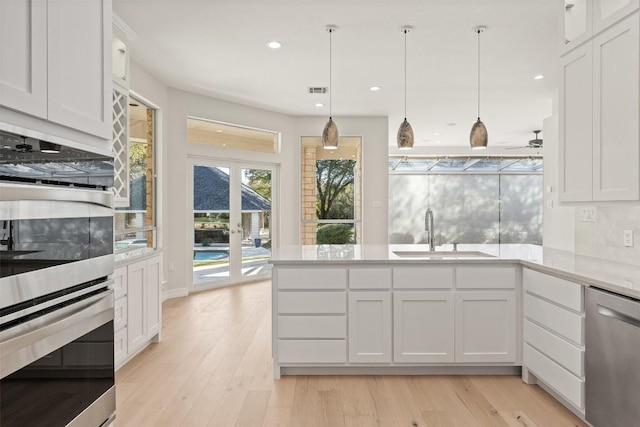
point(56, 299)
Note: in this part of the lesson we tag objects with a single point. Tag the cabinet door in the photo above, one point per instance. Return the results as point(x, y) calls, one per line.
point(423, 327)
point(576, 117)
point(79, 65)
point(485, 324)
point(616, 144)
point(153, 304)
point(136, 307)
point(607, 12)
point(369, 327)
point(23, 56)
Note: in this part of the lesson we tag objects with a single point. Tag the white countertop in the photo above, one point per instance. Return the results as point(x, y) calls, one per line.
point(614, 276)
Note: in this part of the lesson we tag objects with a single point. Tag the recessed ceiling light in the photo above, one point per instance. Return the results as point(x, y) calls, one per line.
point(274, 44)
point(319, 104)
point(436, 133)
point(437, 142)
point(539, 77)
point(374, 88)
point(451, 124)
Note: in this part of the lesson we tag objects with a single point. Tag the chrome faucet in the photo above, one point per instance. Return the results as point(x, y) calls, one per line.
point(428, 227)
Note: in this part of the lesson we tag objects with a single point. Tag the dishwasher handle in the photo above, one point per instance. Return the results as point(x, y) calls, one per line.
point(614, 314)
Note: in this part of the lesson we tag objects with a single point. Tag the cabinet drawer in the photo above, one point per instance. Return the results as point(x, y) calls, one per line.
point(565, 354)
point(370, 278)
point(312, 327)
point(312, 351)
point(560, 291)
point(485, 277)
point(312, 278)
point(119, 282)
point(566, 323)
point(120, 314)
point(312, 302)
point(423, 277)
point(561, 380)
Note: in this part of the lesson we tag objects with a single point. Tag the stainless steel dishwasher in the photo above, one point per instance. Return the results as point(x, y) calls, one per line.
point(612, 353)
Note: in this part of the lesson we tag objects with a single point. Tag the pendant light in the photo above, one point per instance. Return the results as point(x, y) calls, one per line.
point(405, 132)
point(330, 132)
point(479, 137)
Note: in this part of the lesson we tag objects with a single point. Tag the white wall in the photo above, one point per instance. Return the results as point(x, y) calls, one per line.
point(375, 153)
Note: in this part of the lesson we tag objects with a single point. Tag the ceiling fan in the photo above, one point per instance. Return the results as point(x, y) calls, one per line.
point(533, 143)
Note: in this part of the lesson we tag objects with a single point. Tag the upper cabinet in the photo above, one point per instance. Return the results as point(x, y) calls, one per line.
point(55, 62)
point(23, 56)
point(582, 19)
point(599, 115)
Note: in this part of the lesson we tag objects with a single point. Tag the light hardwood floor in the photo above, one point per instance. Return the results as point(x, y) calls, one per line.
point(213, 368)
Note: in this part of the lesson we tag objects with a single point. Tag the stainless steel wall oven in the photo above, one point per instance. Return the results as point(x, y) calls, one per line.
point(56, 299)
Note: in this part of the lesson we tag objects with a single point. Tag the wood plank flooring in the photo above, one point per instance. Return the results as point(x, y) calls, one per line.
point(213, 368)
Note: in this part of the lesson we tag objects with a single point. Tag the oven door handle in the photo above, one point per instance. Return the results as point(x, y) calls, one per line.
point(28, 342)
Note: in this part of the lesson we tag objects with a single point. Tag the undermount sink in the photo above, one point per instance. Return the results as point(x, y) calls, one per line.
point(442, 254)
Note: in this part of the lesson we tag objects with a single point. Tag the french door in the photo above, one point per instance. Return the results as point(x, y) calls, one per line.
point(232, 222)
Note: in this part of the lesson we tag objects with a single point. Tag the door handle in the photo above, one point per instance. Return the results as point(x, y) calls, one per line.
point(608, 312)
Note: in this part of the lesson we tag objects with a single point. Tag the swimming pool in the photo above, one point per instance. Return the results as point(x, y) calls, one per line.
point(209, 255)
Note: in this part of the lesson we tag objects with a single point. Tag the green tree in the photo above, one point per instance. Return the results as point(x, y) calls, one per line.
point(259, 181)
point(334, 183)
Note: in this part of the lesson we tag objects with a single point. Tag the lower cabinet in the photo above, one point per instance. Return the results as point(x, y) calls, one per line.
point(553, 335)
point(485, 323)
point(137, 307)
point(370, 327)
point(394, 316)
point(423, 327)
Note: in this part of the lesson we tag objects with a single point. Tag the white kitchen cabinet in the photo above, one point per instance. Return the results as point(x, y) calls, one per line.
point(485, 326)
point(152, 300)
point(56, 62)
point(23, 56)
point(582, 19)
point(576, 133)
point(608, 12)
point(136, 310)
point(423, 327)
point(616, 103)
point(137, 319)
point(599, 117)
point(553, 335)
point(369, 327)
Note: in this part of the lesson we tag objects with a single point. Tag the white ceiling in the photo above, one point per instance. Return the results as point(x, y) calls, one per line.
point(218, 48)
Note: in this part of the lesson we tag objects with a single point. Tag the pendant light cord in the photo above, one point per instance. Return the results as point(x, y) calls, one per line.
point(405, 75)
point(330, 81)
point(479, 31)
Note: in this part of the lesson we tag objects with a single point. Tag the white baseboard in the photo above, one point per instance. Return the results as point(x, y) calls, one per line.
point(174, 293)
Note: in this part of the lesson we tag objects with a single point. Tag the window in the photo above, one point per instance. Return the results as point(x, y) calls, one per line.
point(331, 196)
point(136, 223)
point(208, 132)
point(474, 200)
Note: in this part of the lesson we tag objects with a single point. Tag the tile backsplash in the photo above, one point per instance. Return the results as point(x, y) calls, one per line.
point(604, 237)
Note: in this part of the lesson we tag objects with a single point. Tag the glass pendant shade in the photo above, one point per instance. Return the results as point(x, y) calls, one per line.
point(405, 136)
point(330, 135)
point(479, 136)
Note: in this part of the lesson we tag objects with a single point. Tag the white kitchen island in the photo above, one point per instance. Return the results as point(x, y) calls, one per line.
point(398, 309)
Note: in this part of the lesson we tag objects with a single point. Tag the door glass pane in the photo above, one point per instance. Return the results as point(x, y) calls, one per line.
point(256, 222)
point(211, 231)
